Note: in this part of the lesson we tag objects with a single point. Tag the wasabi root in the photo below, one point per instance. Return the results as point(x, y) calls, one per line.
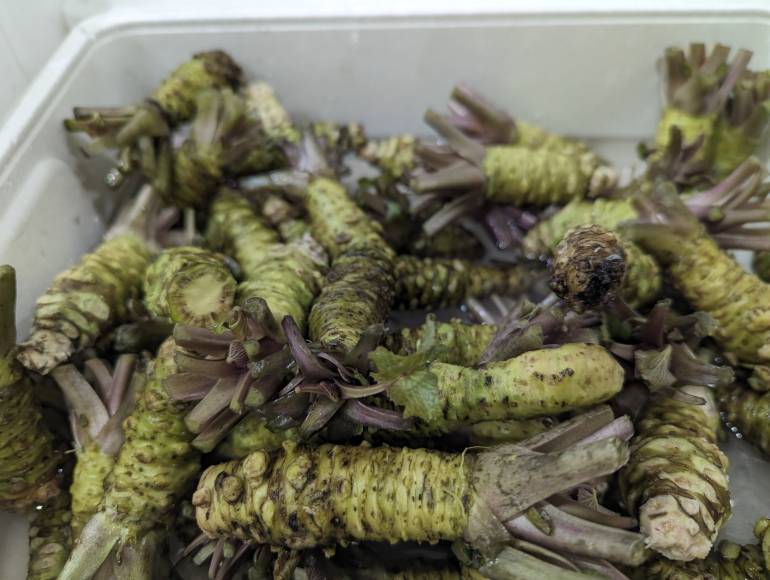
point(437, 283)
point(748, 411)
point(286, 276)
point(49, 538)
point(697, 88)
point(588, 267)
point(141, 132)
point(676, 479)
point(153, 469)
point(97, 416)
point(28, 458)
point(85, 301)
point(189, 285)
point(711, 280)
point(534, 383)
point(385, 494)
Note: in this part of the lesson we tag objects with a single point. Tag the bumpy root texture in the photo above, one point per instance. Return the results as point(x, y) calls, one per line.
point(588, 267)
point(97, 415)
point(223, 142)
point(748, 411)
point(533, 383)
point(742, 122)
point(153, 469)
point(460, 343)
point(287, 277)
point(189, 285)
point(437, 283)
point(386, 494)
point(28, 459)
point(49, 538)
point(395, 156)
point(141, 132)
point(85, 301)
point(676, 479)
point(697, 90)
point(728, 561)
point(711, 280)
point(359, 286)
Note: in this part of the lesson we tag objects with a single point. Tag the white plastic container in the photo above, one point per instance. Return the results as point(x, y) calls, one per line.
point(581, 71)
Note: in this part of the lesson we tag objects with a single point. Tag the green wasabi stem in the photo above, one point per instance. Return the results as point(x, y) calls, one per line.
point(711, 280)
point(697, 88)
point(450, 242)
point(251, 434)
point(152, 471)
point(748, 411)
point(28, 458)
point(189, 285)
point(430, 495)
point(437, 283)
point(460, 343)
point(85, 301)
point(762, 532)
point(286, 276)
point(535, 383)
point(141, 132)
point(49, 538)
point(359, 286)
point(223, 142)
point(728, 561)
point(97, 414)
point(676, 479)
point(742, 122)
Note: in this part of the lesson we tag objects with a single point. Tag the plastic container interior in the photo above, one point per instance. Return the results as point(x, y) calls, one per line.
point(590, 75)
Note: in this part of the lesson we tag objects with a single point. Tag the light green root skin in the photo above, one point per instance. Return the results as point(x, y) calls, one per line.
point(335, 219)
point(197, 172)
point(715, 283)
point(521, 176)
point(205, 70)
point(761, 265)
point(189, 286)
point(692, 127)
point(85, 301)
point(676, 479)
point(728, 561)
point(157, 462)
point(357, 294)
point(489, 433)
point(265, 107)
point(535, 383)
point(643, 281)
point(28, 459)
point(394, 156)
point(301, 498)
point(462, 344)
point(542, 239)
point(87, 489)
point(732, 147)
point(252, 434)
point(49, 539)
point(285, 276)
point(359, 287)
point(437, 283)
point(292, 230)
point(749, 411)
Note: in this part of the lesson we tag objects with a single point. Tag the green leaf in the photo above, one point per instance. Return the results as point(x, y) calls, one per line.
point(413, 386)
